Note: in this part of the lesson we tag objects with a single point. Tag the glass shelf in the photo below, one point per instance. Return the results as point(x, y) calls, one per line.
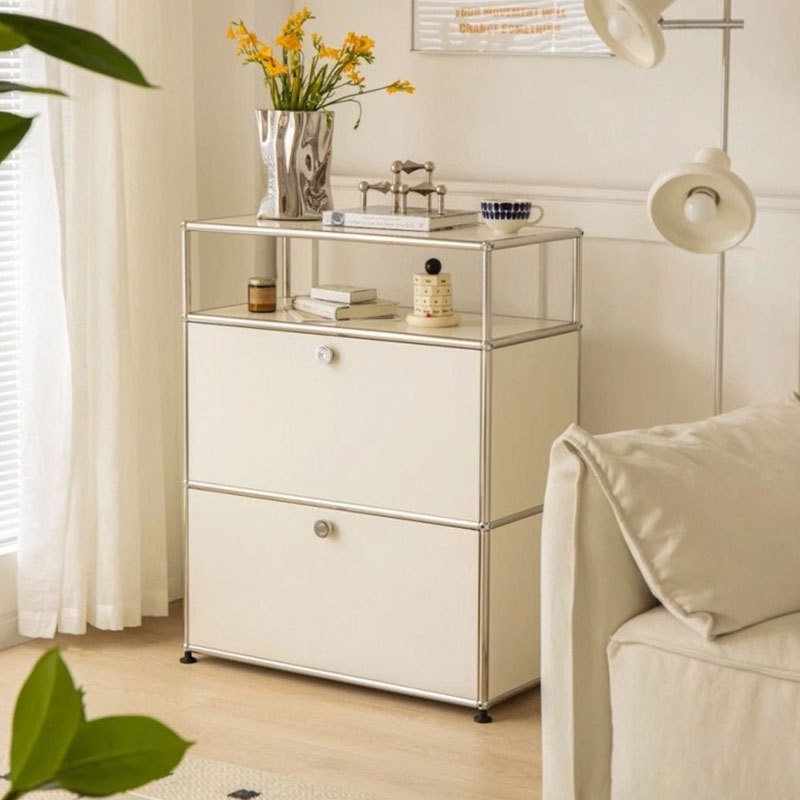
point(469, 237)
point(468, 334)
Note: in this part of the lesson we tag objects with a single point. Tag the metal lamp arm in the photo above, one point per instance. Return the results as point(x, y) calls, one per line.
point(701, 24)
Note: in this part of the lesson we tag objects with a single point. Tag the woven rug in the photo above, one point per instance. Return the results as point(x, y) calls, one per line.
point(204, 779)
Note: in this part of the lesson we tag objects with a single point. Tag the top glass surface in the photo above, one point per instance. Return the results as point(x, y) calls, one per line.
point(470, 237)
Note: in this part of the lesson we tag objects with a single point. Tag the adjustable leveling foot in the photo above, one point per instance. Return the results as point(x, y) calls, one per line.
point(188, 658)
point(482, 716)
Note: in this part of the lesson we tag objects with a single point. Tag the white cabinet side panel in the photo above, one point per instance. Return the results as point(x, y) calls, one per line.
point(384, 424)
point(534, 399)
point(379, 599)
point(514, 618)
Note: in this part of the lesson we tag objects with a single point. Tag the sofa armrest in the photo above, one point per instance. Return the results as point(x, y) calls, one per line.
point(590, 586)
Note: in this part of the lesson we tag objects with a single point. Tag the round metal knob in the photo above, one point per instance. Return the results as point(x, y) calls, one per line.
point(323, 528)
point(323, 354)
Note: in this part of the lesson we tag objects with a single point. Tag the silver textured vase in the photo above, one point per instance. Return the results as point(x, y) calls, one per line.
point(296, 148)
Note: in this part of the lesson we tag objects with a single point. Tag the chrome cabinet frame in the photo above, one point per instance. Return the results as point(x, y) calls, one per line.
point(478, 239)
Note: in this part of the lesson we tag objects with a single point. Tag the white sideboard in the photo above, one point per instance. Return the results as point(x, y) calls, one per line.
point(363, 499)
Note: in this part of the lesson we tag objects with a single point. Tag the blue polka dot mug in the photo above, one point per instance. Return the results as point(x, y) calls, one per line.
point(509, 215)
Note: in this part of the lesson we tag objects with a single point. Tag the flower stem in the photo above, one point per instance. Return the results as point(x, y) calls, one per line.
point(346, 97)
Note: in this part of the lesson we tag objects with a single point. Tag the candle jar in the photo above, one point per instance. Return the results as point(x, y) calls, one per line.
point(261, 294)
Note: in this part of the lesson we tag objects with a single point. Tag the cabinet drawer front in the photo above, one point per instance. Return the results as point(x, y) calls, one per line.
point(384, 424)
point(377, 599)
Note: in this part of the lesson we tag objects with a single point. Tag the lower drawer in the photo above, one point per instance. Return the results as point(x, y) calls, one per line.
point(378, 599)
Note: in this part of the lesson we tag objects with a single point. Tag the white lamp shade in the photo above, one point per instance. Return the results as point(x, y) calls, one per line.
point(716, 232)
point(644, 47)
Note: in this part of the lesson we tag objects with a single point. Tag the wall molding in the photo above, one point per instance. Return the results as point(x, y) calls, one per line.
point(615, 214)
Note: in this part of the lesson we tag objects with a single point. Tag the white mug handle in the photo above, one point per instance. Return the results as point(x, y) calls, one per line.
point(539, 218)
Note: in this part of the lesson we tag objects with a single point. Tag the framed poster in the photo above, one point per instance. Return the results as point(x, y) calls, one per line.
point(531, 27)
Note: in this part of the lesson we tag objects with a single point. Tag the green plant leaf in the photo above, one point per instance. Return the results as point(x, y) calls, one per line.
point(48, 712)
point(10, 39)
point(114, 754)
point(12, 131)
point(8, 86)
point(77, 46)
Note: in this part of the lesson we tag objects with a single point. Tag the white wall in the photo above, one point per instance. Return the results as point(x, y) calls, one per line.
point(587, 136)
point(579, 121)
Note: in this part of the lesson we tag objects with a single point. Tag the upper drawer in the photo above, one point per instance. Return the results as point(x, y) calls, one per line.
point(384, 424)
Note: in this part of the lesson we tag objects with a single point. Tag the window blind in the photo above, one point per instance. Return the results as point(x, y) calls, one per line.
point(10, 257)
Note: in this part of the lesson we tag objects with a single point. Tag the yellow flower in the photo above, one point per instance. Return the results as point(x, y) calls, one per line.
point(273, 69)
point(249, 40)
point(289, 41)
point(400, 86)
point(264, 55)
point(360, 45)
point(295, 22)
point(353, 75)
point(332, 83)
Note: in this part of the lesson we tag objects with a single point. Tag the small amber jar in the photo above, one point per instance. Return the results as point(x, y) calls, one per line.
point(261, 294)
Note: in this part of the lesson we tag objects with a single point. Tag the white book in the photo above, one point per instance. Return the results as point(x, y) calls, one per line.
point(417, 219)
point(341, 311)
point(343, 294)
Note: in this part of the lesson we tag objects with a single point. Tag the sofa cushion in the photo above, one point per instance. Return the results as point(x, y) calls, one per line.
point(771, 648)
point(710, 511)
point(695, 718)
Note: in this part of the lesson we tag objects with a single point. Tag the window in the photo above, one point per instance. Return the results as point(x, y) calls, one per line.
point(10, 210)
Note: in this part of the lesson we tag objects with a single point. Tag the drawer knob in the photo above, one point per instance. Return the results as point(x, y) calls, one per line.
point(323, 528)
point(324, 354)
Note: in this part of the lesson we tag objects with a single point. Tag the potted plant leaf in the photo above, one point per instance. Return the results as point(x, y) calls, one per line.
point(54, 746)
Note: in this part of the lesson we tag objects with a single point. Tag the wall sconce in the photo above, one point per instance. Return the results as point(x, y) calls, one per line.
point(702, 207)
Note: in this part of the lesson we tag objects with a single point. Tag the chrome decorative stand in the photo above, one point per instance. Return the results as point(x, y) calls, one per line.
point(400, 190)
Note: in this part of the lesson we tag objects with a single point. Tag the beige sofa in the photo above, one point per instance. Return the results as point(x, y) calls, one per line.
point(670, 600)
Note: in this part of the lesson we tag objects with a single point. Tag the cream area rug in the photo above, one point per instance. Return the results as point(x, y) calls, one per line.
point(204, 779)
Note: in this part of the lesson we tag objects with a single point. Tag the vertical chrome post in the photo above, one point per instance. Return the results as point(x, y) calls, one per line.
point(577, 278)
point(186, 306)
point(543, 255)
point(285, 258)
point(484, 511)
point(726, 75)
point(577, 307)
point(719, 335)
point(314, 262)
point(719, 344)
point(486, 293)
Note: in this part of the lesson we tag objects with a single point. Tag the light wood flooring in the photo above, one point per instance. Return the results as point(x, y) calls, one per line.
point(385, 745)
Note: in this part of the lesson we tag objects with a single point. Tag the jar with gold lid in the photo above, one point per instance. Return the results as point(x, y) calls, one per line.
point(261, 294)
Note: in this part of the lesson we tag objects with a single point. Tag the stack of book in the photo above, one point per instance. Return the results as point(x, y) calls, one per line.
point(344, 302)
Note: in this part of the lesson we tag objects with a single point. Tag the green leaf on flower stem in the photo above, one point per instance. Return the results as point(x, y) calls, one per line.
point(49, 711)
point(8, 86)
point(76, 46)
point(12, 131)
point(115, 754)
point(10, 39)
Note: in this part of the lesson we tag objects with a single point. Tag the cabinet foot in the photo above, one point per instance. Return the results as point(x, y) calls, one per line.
point(188, 658)
point(482, 716)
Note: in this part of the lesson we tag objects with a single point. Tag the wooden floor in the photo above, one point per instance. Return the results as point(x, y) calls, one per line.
point(385, 745)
